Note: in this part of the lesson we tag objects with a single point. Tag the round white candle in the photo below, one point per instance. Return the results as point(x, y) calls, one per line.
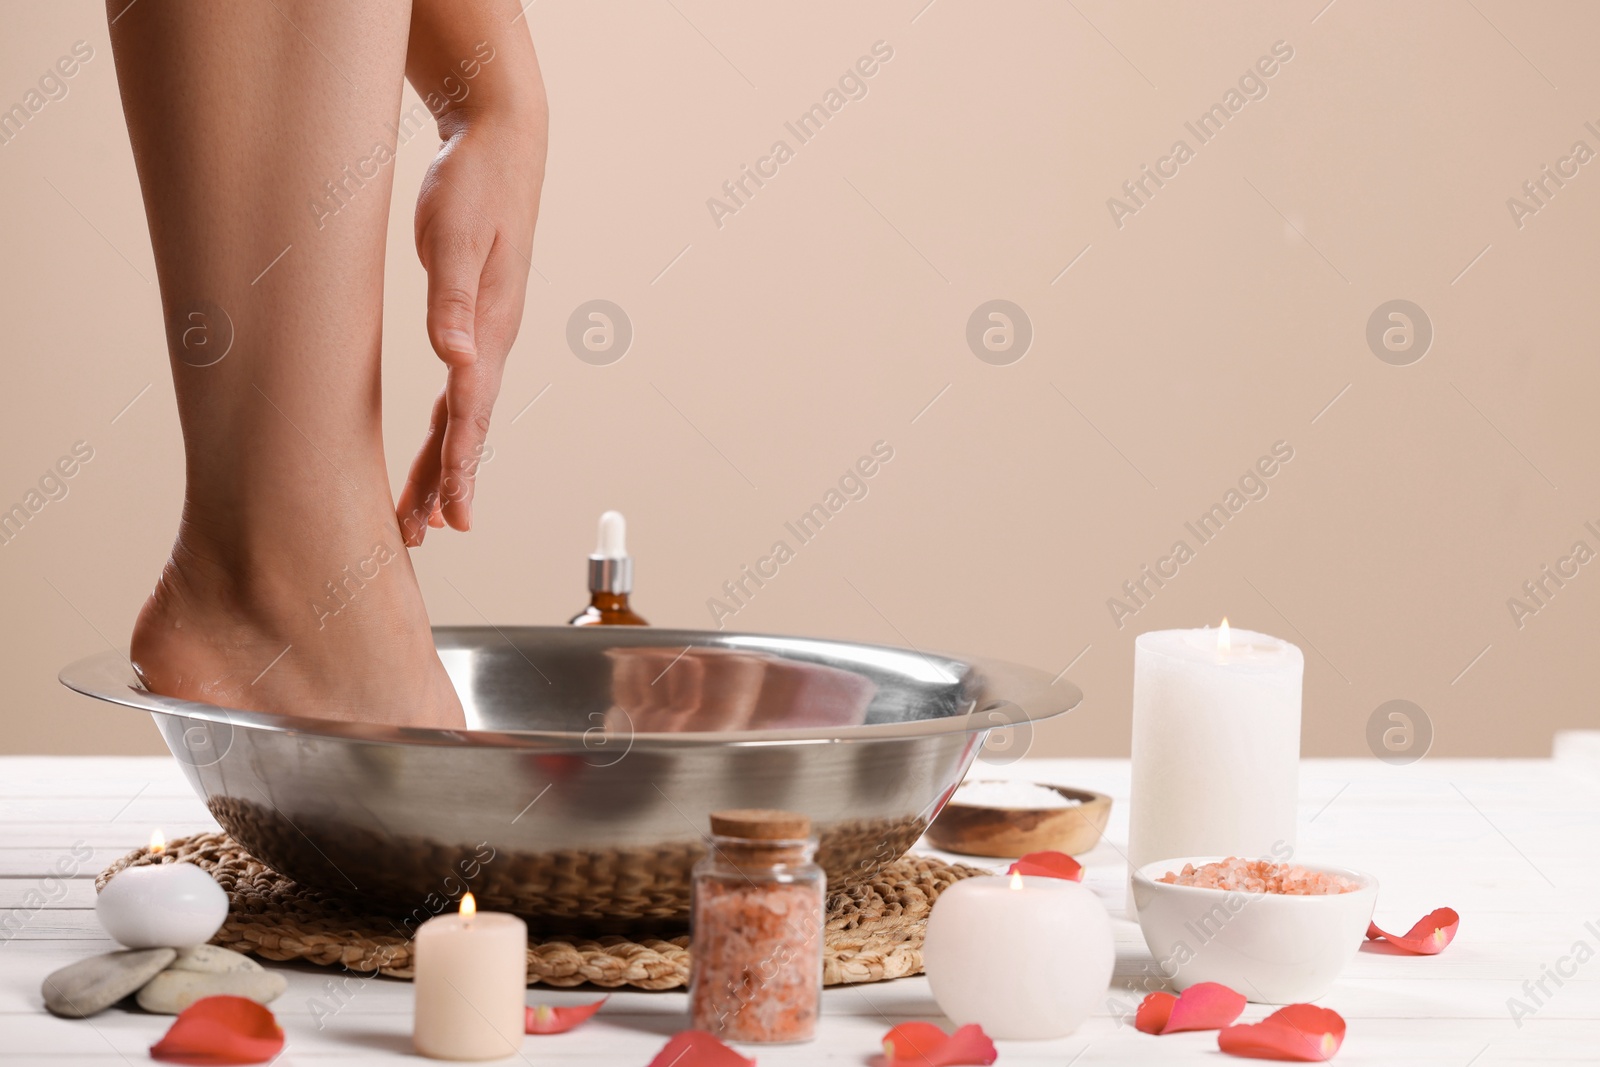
point(1025, 958)
point(471, 985)
point(1216, 745)
point(168, 905)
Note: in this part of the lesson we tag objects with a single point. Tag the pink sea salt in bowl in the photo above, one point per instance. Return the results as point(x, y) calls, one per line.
point(1285, 946)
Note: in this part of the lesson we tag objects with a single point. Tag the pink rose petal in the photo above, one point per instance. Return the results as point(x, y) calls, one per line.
point(696, 1048)
point(1203, 1006)
point(1300, 1032)
point(544, 1019)
point(925, 1045)
point(1048, 865)
point(1428, 937)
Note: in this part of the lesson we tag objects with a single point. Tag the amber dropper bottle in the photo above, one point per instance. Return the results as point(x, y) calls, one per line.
point(610, 578)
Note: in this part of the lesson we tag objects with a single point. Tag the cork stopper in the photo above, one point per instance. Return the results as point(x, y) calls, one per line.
point(761, 824)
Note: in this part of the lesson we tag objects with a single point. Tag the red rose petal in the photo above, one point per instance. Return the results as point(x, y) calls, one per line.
point(696, 1048)
point(1301, 1032)
point(925, 1045)
point(1049, 865)
point(221, 1030)
point(1428, 937)
point(544, 1019)
point(1154, 1011)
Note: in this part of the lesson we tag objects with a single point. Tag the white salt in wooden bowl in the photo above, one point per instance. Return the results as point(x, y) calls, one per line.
point(998, 828)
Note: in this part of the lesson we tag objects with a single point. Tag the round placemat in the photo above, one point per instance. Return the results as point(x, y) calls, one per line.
point(874, 929)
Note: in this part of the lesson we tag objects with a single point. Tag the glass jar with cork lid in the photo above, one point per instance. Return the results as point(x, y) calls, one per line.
point(756, 931)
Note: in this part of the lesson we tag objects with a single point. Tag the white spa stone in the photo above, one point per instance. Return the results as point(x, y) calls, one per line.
point(173, 990)
point(88, 986)
point(212, 959)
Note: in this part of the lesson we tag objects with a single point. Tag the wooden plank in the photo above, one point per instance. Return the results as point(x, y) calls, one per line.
point(58, 924)
point(39, 862)
point(53, 892)
point(118, 836)
point(139, 810)
point(115, 785)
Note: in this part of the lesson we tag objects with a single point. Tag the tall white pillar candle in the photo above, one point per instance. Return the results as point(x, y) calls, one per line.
point(1216, 745)
point(471, 985)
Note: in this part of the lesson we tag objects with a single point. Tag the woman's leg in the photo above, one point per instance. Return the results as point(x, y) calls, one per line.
point(263, 137)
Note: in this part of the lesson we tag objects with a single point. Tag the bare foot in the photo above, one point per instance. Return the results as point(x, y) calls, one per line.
point(289, 589)
point(335, 631)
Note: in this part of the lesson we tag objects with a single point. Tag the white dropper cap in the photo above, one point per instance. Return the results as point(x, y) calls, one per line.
point(613, 541)
point(610, 566)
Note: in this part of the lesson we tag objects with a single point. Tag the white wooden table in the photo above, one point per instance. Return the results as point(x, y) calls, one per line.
point(1510, 844)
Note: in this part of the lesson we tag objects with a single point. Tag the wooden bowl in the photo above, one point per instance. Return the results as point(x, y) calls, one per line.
point(1009, 832)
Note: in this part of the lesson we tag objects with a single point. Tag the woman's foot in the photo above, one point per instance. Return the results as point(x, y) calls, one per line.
point(328, 625)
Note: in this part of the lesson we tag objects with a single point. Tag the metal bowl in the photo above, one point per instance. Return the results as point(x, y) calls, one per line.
point(581, 787)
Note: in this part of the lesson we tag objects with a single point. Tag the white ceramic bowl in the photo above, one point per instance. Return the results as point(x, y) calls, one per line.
point(1273, 948)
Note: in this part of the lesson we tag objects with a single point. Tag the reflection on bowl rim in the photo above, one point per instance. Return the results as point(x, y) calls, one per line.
point(110, 677)
point(1368, 882)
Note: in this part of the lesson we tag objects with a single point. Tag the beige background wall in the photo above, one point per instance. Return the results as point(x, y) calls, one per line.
point(1222, 317)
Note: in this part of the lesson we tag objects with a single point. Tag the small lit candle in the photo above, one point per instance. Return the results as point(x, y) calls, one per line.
point(1216, 745)
point(471, 982)
point(162, 905)
point(1025, 958)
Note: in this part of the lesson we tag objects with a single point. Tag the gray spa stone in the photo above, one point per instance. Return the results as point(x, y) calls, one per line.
point(91, 985)
point(212, 959)
point(173, 990)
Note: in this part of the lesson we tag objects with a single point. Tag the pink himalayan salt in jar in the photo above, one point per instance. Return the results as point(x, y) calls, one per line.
point(1259, 876)
point(756, 927)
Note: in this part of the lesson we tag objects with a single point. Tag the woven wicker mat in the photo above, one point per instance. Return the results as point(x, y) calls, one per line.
point(874, 930)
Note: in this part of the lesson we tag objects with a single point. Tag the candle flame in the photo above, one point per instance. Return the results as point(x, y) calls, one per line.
point(158, 842)
point(469, 906)
point(1224, 639)
point(1016, 879)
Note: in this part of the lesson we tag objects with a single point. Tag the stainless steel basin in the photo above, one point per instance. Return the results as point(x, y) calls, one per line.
point(580, 789)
